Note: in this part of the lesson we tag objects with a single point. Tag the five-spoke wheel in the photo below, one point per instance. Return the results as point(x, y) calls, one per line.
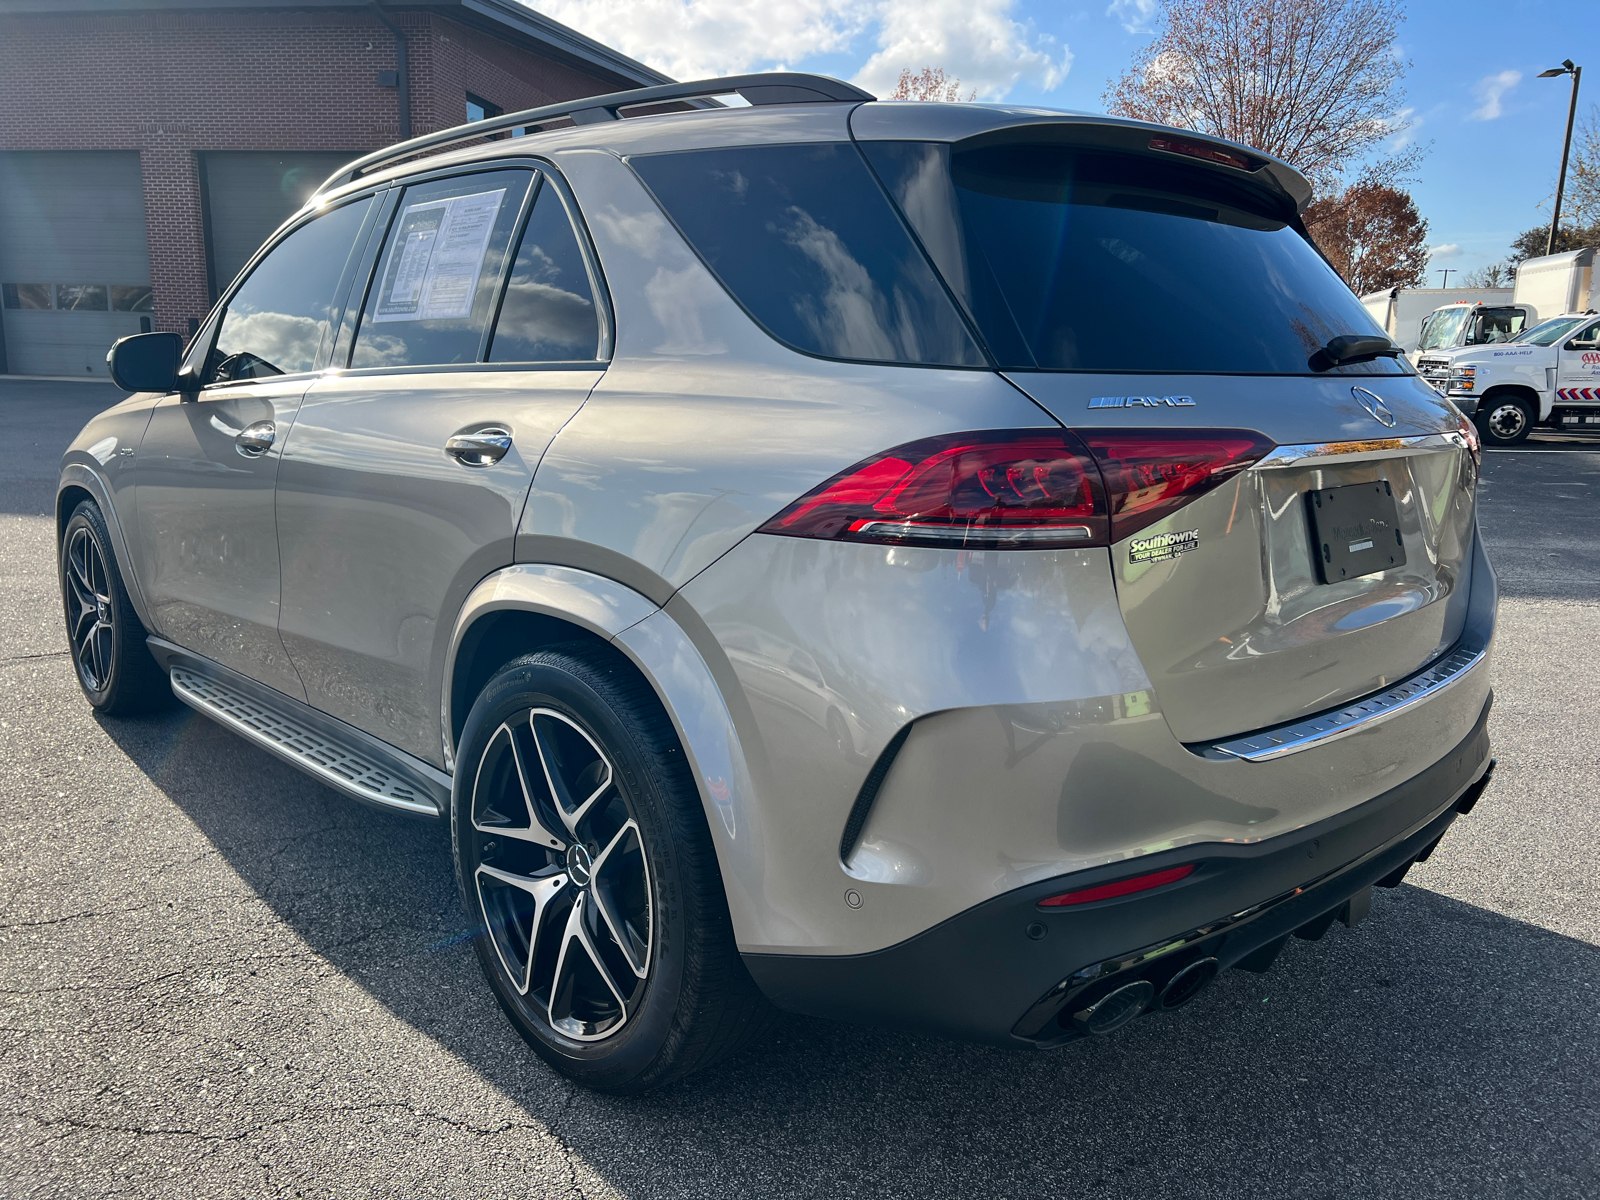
point(562, 877)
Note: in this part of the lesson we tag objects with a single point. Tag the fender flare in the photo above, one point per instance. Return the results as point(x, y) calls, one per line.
point(661, 649)
point(80, 474)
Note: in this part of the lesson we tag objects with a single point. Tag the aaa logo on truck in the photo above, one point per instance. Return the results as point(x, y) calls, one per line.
point(1162, 546)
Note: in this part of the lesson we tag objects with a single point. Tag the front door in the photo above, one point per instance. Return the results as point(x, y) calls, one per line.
point(404, 480)
point(205, 471)
point(1578, 366)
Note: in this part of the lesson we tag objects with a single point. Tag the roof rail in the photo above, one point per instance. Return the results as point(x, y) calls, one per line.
point(773, 87)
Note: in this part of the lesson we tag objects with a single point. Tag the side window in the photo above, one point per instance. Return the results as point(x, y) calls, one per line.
point(276, 322)
point(1586, 339)
point(433, 293)
point(548, 314)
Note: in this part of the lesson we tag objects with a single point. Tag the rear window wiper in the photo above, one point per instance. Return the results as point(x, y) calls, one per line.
point(1350, 348)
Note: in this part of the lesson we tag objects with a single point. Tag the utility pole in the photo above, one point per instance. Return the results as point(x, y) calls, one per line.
point(1566, 68)
point(1445, 271)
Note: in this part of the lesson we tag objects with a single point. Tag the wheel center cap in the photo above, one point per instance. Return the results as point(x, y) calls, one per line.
point(100, 609)
point(580, 868)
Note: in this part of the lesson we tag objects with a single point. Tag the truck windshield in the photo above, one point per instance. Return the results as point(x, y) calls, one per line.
point(1549, 332)
point(1077, 258)
point(1443, 328)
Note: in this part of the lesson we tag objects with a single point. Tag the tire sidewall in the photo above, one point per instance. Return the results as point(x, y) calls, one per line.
point(1486, 428)
point(564, 682)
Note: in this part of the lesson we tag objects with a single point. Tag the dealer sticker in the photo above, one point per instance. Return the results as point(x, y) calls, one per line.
point(1162, 546)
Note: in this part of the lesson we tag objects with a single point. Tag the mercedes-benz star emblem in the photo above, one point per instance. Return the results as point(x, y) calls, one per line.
point(579, 867)
point(1376, 407)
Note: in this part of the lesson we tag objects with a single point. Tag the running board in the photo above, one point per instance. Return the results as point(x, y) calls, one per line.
point(343, 763)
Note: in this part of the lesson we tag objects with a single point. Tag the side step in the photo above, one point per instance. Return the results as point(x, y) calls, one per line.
point(340, 763)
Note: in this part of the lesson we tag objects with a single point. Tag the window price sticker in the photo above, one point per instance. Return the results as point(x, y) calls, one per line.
point(436, 258)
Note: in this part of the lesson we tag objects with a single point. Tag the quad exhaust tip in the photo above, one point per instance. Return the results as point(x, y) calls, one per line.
point(1187, 984)
point(1115, 1009)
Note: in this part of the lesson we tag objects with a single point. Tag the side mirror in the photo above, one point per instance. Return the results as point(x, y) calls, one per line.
point(146, 362)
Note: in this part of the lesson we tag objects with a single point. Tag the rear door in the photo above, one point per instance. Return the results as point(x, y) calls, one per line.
point(205, 471)
point(482, 331)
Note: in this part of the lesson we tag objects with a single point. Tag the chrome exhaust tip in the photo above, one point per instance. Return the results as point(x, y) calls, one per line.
point(1187, 984)
point(1115, 1009)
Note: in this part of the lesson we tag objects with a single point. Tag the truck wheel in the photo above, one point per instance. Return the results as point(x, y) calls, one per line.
point(583, 856)
point(1504, 421)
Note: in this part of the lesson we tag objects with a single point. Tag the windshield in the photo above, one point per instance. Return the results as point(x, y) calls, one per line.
point(1443, 328)
point(1075, 258)
point(1549, 332)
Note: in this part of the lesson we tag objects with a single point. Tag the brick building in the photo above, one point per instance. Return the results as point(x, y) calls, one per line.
point(147, 147)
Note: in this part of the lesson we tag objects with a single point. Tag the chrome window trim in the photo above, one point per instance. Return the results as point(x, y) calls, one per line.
point(1327, 727)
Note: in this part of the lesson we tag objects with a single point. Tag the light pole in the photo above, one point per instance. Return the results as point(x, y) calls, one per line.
point(1445, 271)
point(1566, 68)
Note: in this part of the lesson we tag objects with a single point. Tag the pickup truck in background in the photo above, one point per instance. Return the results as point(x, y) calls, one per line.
point(1548, 373)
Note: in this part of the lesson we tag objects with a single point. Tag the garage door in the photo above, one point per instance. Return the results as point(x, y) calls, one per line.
point(250, 194)
point(74, 265)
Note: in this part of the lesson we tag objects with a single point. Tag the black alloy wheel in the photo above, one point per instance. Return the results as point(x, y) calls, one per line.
point(104, 634)
point(584, 858)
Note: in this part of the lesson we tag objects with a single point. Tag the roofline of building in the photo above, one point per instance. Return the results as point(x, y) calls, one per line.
point(501, 17)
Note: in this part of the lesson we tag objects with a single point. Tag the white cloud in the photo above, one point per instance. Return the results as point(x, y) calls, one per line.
point(1491, 90)
point(1447, 252)
point(1403, 128)
point(975, 41)
point(1136, 15)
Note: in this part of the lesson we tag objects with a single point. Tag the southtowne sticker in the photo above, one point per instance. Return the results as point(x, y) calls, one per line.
point(1162, 545)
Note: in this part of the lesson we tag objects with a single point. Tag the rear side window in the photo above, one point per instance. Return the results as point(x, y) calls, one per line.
point(431, 298)
point(1081, 259)
point(548, 313)
point(803, 237)
point(276, 321)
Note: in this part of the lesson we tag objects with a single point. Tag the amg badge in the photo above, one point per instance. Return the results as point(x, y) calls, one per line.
point(1162, 546)
point(1141, 402)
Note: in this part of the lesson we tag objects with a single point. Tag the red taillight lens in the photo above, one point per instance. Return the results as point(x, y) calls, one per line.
point(1020, 488)
point(1151, 474)
point(1122, 887)
point(1003, 488)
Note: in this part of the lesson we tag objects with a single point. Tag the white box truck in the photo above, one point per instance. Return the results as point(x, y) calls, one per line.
point(1549, 374)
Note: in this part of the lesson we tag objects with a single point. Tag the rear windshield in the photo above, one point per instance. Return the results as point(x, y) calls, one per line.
point(804, 238)
point(1073, 258)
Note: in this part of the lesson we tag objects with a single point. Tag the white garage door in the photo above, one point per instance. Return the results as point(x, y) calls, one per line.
point(74, 264)
point(249, 194)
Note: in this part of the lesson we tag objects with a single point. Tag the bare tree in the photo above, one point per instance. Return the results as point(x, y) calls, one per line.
point(1582, 201)
point(1373, 236)
point(1314, 82)
point(1495, 275)
point(930, 83)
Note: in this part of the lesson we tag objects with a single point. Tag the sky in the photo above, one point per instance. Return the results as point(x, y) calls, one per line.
point(1492, 130)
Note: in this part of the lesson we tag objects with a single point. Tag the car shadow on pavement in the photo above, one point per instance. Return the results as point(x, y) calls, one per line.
point(1437, 1049)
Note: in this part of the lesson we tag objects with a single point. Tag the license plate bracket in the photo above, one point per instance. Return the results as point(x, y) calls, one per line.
point(1354, 530)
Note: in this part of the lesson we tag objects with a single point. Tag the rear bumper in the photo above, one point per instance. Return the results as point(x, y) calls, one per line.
point(988, 975)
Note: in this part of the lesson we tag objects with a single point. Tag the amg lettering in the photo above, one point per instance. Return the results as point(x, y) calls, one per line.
point(1141, 402)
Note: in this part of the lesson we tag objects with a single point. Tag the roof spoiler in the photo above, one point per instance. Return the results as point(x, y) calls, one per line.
point(773, 87)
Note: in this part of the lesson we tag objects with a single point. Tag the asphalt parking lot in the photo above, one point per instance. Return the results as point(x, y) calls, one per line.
point(219, 978)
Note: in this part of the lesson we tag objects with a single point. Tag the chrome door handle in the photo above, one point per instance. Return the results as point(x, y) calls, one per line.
point(255, 440)
point(481, 449)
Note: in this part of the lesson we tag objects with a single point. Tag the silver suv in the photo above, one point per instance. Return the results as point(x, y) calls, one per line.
point(965, 568)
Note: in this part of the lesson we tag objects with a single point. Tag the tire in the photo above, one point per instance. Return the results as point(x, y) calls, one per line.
point(105, 637)
point(1505, 420)
point(583, 855)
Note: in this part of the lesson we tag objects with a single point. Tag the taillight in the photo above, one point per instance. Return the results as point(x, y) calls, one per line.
point(1151, 473)
point(1122, 887)
point(1020, 488)
point(1003, 488)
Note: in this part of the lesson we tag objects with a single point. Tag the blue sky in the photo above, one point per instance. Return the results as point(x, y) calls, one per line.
point(1495, 129)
